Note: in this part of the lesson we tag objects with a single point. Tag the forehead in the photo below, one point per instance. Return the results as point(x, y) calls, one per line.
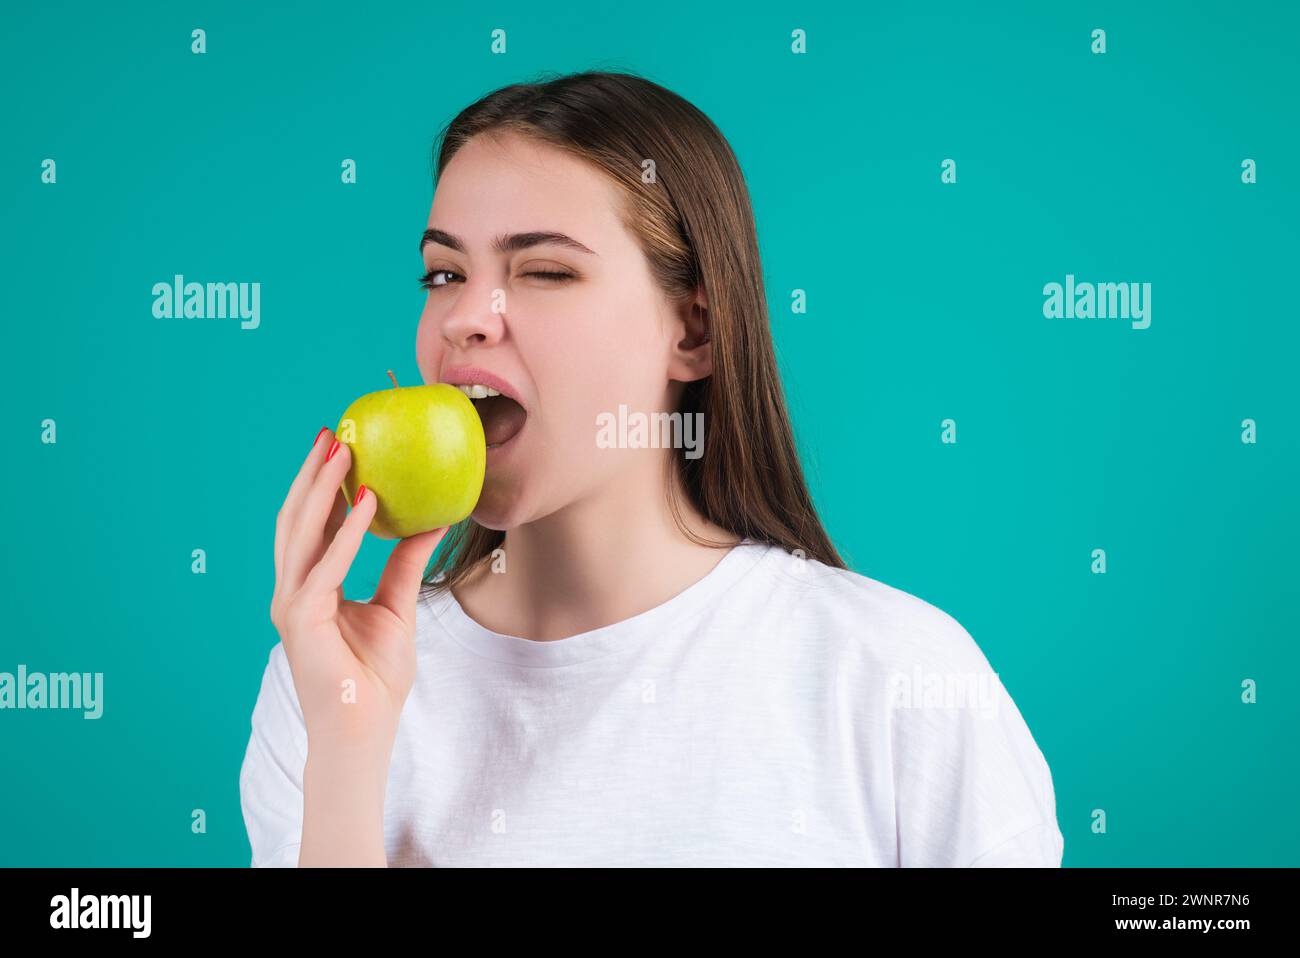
point(510, 182)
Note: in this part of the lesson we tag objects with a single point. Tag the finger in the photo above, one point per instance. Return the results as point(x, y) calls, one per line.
point(338, 512)
point(329, 573)
point(306, 541)
point(400, 584)
point(306, 472)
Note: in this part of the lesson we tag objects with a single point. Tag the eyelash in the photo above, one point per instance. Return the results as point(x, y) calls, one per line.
point(426, 279)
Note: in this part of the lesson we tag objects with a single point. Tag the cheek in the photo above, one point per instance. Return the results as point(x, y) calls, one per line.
point(577, 374)
point(574, 410)
point(628, 373)
point(621, 357)
point(428, 348)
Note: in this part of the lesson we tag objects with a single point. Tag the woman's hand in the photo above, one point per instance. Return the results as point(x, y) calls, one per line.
point(353, 663)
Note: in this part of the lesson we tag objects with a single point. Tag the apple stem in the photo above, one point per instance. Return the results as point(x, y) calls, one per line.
point(393, 378)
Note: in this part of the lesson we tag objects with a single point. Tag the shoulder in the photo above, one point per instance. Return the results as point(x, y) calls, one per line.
point(889, 626)
point(969, 783)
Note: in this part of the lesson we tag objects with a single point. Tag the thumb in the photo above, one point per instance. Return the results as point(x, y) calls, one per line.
point(400, 584)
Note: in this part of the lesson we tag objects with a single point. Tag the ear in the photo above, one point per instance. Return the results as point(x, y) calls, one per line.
point(692, 350)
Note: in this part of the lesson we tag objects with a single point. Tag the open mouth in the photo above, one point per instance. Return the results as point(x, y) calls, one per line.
point(502, 417)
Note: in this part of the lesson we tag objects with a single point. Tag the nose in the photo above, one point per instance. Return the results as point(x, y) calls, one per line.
point(473, 320)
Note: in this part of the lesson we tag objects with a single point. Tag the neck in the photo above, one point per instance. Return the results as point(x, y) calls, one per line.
point(599, 560)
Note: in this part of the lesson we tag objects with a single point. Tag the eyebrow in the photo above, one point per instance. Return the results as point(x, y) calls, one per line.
point(507, 242)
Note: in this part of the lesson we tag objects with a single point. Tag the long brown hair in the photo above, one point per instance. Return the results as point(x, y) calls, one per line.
point(695, 224)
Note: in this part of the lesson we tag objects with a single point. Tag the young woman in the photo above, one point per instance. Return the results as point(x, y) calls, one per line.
point(629, 655)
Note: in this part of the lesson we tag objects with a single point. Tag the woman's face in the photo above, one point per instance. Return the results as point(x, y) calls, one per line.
point(567, 348)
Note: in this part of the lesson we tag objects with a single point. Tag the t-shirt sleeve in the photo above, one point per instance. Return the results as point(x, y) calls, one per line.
point(971, 785)
point(1036, 847)
point(270, 779)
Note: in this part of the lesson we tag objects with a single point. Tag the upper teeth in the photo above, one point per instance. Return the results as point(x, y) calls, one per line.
point(478, 391)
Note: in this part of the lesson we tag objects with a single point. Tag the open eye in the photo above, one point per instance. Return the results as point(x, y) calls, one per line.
point(427, 279)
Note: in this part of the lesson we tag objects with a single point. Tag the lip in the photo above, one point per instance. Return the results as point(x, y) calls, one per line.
point(468, 375)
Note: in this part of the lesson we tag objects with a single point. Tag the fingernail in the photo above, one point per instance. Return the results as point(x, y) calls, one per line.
point(361, 494)
point(333, 449)
point(323, 430)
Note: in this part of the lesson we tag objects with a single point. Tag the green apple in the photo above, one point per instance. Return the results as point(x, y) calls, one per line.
point(421, 450)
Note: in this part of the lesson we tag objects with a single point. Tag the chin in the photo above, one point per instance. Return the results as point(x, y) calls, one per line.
point(499, 509)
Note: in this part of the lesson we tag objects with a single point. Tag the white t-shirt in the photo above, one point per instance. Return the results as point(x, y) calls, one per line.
point(778, 712)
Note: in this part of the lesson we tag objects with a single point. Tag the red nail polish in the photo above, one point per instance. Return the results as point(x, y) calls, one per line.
point(323, 430)
point(333, 449)
point(361, 494)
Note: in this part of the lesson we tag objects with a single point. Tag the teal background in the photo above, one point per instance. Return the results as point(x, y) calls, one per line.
point(924, 303)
